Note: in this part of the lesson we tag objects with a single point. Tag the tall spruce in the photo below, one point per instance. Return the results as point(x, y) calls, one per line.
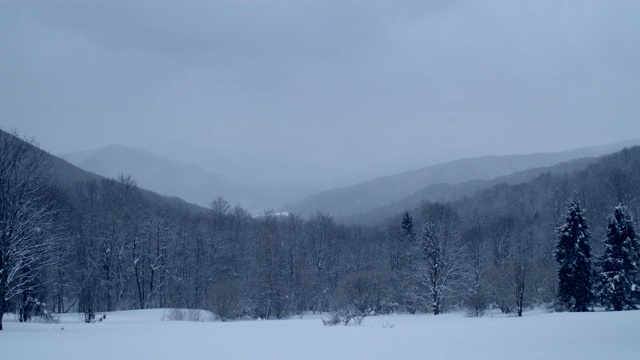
point(619, 264)
point(402, 254)
point(407, 227)
point(573, 254)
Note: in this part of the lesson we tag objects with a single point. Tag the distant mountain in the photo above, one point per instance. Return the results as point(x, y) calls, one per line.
point(277, 181)
point(67, 175)
point(164, 176)
point(352, 201)
point(454, 192)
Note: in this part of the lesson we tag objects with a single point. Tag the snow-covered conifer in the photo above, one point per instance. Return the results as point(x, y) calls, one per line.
point(573, 254)
point(619, 264)
point(407, 227)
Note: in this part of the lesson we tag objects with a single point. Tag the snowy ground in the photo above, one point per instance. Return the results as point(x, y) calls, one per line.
point(142, 335)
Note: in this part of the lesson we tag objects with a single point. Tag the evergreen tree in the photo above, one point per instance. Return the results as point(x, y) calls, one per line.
point(573, 254)
point(401, 254)
point(619, 266)
point(407, 227)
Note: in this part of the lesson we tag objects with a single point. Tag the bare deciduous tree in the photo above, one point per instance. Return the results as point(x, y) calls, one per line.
point(26, 228)
point(438, 268)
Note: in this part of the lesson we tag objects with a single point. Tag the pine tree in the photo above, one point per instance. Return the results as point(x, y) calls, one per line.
point(573, 254)
point(619, 266)
point(407, 227)
point(401, 254)
point(401, 244)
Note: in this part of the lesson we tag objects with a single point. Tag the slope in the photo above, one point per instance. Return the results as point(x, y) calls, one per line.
point(454, 192)
point(164, 176)
point(360, 198)
point(66, 176)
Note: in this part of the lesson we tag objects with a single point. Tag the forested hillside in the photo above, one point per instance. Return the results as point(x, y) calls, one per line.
point(101, 245)
point(350, 202)
point(446, 193)
point(164, 176)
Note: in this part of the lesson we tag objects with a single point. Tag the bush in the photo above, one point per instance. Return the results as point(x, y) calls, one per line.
point(477, 304)
point(365, 292)
point(182, 315)
point(174, 315)
point(47, 318)
point(333, 320)
point(225, 302)
point(353, 319)
point(344, 317)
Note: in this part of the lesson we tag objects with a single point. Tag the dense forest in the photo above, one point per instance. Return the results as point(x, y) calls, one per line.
point(91, 245)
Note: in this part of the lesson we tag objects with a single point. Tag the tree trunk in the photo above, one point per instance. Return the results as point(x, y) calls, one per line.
point(520, 283)
point(1, 309)
point(2, 289)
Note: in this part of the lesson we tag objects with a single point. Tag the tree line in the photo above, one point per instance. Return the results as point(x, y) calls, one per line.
point(105, 245)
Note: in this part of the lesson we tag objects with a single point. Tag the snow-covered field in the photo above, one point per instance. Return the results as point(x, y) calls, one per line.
point(143, 335)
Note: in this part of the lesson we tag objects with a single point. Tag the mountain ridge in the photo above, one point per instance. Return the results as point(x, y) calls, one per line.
point(359, 198)
point(455, 192)
point(164, 176)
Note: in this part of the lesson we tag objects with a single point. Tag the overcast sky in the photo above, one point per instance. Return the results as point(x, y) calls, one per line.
point(351, 88)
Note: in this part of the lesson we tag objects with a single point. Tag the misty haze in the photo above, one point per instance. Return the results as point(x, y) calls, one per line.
point(374, 174)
